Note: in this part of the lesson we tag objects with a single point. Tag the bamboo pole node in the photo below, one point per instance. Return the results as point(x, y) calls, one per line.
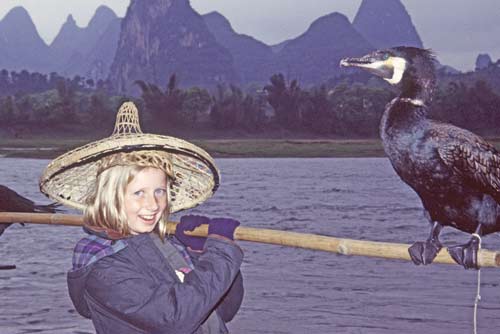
point(343, 249)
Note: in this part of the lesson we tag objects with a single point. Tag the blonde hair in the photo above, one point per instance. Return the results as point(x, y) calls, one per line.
point(105, 206)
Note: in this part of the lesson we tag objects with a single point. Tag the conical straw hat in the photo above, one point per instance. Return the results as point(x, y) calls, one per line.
point(71, 177)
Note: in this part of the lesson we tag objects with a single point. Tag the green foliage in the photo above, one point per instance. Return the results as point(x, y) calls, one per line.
point(233, 109)
point(164, 106)
point(101, 111)
point(286, 100)
point(196, 104)
point(225, 112)
point(358, 109)
point(341, 109)
point(318, 115)
point(475, 107)
point(65, 108)
point(8, 111)
point(253, 113)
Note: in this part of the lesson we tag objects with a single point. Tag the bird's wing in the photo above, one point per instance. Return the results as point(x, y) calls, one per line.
point(475, 160)
point(3, 227)
point(12, 201)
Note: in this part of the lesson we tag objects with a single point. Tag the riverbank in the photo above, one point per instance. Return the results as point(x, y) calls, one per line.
point(222, 148)
point(299, 148)
point(219, 148)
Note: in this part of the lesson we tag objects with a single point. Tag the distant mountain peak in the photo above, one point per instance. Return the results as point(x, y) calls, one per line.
point(314, 56)
point(333, 26)
point(104, 10)
point(18, 16)
point(102, 16)
point(215, 13)
point(251, 57)
point(483, 61)
point(19, 20)
point(386, 23)
point(162, 37)
point(73, 45)
point(219, 19)
point(70, 21)
point(22, 46)
point(69, 28)
point(333, 16)
point(328, 21)
point(17, 12)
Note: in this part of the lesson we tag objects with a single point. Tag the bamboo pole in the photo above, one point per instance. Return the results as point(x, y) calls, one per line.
point(486, 258)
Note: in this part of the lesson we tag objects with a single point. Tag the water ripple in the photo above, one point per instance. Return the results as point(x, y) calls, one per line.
point(292, 291)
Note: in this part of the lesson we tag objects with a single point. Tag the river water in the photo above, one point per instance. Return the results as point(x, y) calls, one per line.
point(287, 290)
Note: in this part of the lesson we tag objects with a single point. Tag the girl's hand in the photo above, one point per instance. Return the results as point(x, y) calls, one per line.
point(223, 226)
point(189, 223)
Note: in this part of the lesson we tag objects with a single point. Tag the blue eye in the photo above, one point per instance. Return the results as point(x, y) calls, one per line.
point(160, 192)
point(139, 193)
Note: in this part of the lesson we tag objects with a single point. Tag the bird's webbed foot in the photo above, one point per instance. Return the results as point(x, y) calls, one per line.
point(466, 254)
point(424, 252)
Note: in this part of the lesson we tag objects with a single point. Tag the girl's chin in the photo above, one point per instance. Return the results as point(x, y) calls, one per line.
point(149, 227)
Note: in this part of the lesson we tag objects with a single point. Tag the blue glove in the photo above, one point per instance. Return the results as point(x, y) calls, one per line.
point(223, 226)
point(189, 223)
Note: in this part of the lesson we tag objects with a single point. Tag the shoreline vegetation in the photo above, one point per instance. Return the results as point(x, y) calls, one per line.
point(219, 148)
point(338, 118)
point(222, 148)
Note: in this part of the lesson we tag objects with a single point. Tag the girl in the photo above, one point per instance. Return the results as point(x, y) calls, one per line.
point(128, 275)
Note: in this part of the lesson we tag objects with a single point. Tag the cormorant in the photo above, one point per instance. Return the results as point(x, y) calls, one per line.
point(10, 201)
point(455, 172)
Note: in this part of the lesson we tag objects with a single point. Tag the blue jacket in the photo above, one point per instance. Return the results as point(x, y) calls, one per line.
point(127, 286)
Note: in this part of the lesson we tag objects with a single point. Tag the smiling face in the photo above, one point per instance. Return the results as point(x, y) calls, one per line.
point(145, 200)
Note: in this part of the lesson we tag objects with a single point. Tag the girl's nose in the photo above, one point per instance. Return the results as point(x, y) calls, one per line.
point(151, 203)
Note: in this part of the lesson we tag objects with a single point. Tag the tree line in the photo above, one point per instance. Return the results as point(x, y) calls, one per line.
point(31, 102)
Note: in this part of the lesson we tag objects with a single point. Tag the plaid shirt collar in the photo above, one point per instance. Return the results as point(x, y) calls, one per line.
point(102, 242)
point(96, 245)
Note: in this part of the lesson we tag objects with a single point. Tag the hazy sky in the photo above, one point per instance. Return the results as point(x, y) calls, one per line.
point(456, 29)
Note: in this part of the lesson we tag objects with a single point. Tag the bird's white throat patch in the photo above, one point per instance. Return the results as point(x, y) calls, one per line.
point(399, 66)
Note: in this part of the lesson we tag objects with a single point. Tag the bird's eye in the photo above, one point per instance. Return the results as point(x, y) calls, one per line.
point(385, 56)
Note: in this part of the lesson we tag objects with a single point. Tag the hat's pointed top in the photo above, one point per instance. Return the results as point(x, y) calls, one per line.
point(127, 120)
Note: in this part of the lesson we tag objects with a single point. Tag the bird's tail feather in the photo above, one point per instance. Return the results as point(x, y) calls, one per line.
point(49, 208)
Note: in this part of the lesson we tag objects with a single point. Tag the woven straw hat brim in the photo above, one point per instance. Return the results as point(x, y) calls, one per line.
point(70, 178)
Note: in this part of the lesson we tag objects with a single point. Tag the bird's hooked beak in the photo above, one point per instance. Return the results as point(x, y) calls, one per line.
point(384, 65)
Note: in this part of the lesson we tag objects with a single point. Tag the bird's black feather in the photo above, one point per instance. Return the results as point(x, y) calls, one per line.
point(11, 201)
point(455, 172)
